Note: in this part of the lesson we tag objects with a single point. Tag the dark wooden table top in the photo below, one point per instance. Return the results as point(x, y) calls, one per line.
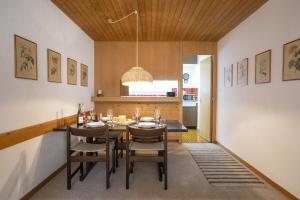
point(172, 126)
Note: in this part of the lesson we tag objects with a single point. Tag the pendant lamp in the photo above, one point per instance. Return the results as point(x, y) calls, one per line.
point(136, 75)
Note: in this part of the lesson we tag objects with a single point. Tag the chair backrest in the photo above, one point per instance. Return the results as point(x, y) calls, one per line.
point(89, 132)
point(147, 135)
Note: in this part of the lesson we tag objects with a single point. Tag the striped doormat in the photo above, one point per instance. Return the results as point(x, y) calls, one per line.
point(220, 168)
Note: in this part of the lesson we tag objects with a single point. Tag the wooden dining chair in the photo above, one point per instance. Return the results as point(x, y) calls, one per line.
point(117, 136)
point(147, 140)
point(89, 152)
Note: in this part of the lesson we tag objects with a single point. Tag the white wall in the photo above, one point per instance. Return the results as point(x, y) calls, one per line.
point(28, 102)
point(260, 123)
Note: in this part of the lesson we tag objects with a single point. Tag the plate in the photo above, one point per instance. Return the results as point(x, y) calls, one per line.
point(105, 119)
point(146, 125)
point(95, 124)
point(147, 119)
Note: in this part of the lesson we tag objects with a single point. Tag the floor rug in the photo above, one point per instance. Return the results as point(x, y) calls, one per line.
point(220, 168)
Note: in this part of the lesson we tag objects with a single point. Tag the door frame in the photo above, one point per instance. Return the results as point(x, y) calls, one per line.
point(202, 48)
point(213, 90)
point(211, 98)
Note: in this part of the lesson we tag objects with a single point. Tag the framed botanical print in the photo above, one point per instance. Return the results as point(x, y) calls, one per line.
point(291, 61)
point(54, 66)
point(228, 76)
point(83, 75)
point(242, 72)
point(263, 67)
point(72, 71)
point(25, 58)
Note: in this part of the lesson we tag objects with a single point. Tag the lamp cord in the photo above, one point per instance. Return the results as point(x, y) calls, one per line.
point(137, 31)
point(137, 38)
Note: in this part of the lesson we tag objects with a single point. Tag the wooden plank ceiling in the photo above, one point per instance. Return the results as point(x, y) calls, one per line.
point(160, 20)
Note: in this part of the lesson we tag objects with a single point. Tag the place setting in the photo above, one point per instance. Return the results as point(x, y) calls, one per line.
point(145, 122)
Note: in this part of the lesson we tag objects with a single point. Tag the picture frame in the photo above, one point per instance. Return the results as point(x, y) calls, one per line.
point(291, 61)
point(71, 71)
point(84, 75)
point(242, 72)
point(228, 76)
point(25, 58)
point(54, 66)
point(263, 67)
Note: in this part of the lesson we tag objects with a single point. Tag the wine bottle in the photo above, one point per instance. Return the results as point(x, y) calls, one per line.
point(79, 115)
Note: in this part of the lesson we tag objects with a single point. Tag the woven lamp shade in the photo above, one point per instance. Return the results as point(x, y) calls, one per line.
point(136, 75)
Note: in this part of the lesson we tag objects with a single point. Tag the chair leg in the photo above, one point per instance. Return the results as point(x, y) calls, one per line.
point(127, 169)
point(117, 154)
point(159, 171)
point(81, 168)
point(107, 181)
point(121, 141)
point(132, 153)
point(107, 172)
point(113, 161)
point(68, 175)
point(131, 167)
point(166, 170)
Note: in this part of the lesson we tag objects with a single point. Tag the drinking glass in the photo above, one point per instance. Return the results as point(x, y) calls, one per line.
point(92, 114)
point(110, 114)
point(157, 115)
point(162, 122)
point(137, 114)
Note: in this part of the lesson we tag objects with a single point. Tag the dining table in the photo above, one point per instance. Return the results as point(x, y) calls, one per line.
point(116, 133)
point(172, 126)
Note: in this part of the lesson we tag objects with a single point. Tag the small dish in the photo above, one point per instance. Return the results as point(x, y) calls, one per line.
point(147, 119)
point(105, 119)
point(95, 124)
point(146, 125)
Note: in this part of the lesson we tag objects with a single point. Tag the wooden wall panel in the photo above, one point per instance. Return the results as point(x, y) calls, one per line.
point(199, 48)
point(112, 59)
point(14, 137)
point(162, 59)
point(168, 110)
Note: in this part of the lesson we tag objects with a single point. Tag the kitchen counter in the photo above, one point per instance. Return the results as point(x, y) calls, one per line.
point(190, 113)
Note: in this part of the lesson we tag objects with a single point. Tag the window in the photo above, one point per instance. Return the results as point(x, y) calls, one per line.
point(157, 88)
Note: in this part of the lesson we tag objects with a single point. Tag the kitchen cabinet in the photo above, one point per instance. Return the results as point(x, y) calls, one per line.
point(190, 114)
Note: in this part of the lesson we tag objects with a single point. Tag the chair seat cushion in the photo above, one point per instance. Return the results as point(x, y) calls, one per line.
point(146, 146)
point(89, 147)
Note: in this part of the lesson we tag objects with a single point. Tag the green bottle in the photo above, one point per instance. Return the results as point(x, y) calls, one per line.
point(79, 115)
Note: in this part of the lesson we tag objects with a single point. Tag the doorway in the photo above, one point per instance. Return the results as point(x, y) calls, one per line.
point(196, 102)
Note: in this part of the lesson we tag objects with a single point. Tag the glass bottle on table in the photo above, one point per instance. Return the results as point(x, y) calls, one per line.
point(79, 115)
